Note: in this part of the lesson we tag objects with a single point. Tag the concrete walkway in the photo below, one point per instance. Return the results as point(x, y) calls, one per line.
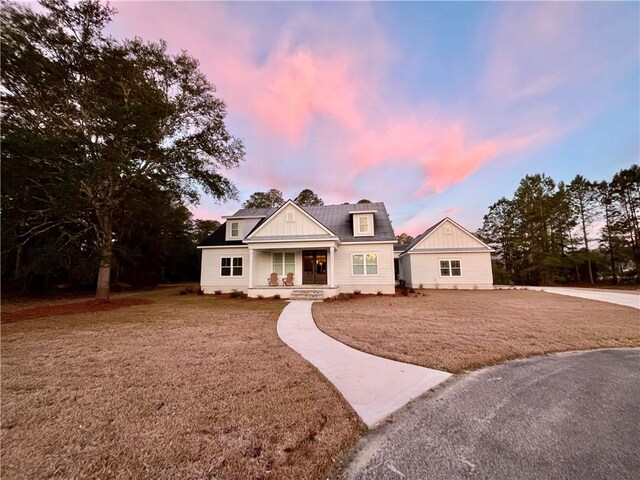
point(628, 299)
point(373, 386)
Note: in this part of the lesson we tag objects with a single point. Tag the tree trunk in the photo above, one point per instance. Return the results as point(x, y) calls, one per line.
point(103, 288)
point(612, 257)
point(575, 262)
point(586, 242)
point(18, 269)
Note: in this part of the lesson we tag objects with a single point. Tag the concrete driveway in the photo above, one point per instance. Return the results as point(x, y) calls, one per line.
point(620, 297)
point(565, 416)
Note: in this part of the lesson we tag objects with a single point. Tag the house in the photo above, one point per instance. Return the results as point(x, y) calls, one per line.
point(329, 249)
point(445, 256)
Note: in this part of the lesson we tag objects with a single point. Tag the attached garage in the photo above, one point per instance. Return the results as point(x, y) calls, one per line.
point(446, 256)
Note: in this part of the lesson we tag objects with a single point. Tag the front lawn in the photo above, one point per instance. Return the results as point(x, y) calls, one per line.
point(456, 330)
point(184, 387)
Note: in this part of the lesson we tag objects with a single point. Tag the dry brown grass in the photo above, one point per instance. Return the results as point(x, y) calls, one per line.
point(186, 387)
point(462, 330)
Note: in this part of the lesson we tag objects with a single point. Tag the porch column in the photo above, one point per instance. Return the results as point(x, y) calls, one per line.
point(332, 273)
point(250, 267)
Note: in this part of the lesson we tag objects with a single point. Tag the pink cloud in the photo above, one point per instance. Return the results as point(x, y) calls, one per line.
point(298, 85)
point(280, 95)
point(444, 150)
point(320, 98)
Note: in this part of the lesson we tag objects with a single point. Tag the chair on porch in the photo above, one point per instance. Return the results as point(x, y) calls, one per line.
point(273, 280)
point(288, 282)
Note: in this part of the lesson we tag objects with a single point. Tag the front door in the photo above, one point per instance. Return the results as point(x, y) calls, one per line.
point(314, 267)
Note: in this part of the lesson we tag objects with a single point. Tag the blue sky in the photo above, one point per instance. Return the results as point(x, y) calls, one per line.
point(434, 108)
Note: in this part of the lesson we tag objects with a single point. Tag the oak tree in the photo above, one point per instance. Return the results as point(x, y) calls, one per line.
point(88, 119)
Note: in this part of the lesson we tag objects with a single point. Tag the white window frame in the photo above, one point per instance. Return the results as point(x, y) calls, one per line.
point(449, 267)
point(284, 263)
point(364, 264)
point(357, 232)
point(237, 235)
point(232, 266)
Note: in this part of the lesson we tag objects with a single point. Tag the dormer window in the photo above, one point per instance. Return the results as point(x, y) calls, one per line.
point(234, 229)
point(363, 225)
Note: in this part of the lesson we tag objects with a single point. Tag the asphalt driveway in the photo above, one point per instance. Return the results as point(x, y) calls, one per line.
point(565, 416)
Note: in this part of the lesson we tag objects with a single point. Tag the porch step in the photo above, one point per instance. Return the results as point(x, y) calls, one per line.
point(307, 294)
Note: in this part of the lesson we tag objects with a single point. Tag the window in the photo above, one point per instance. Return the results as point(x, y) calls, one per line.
point(231, 266)
point(290, 217)
point(284, 263)
point(447, 230)
point(363, 225)
point(450, 268)
point(235, 229)
point(365, 264)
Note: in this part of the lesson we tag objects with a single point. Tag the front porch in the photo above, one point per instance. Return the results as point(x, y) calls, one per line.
point(312, 263)
point(306, 292)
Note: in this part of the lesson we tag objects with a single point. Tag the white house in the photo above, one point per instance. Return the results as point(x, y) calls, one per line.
point(445, 256)
point(329, 249)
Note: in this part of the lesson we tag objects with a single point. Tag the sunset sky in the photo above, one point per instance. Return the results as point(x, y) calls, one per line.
point(437, 109)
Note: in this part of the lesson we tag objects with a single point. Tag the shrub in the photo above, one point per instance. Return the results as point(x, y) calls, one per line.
point(379, 293)
point(200, 291)
point(411, 290)
point(276, 296)
point(260, 296)
point(357, 292)
point(420, 287)
point(183, 291)
point(218, 292)
point(237, 294)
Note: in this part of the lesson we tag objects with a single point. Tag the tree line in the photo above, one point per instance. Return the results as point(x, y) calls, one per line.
point(579, 232)
point(274, 198)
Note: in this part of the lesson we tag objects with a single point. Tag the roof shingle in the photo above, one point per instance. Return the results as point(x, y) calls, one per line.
point(334, 217)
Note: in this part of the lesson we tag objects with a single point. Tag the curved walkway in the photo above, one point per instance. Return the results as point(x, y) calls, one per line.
point(619, 297)
point(373, 386)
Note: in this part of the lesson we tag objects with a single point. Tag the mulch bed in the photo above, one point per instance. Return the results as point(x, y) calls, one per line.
point(70, 309)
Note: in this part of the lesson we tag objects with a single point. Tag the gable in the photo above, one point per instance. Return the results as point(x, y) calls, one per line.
point(449, 235)
point(290, 221)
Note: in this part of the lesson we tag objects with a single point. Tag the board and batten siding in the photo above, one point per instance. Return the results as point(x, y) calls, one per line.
point(210, 278)
point(383, 282)
point(424, 268)
point(248, 224)
point(449, 235)
point(280, 226)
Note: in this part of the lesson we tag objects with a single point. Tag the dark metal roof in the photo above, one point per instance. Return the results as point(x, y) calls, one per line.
point(401, 247)
point(337, 219)
point(334, 217)
point(218, 238)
